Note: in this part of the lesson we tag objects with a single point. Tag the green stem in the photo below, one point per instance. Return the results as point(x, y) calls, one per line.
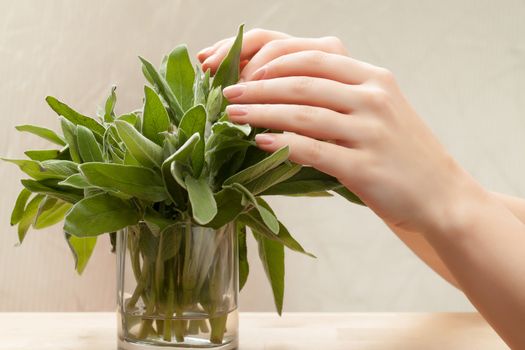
point(169, 304)
point(218, 327)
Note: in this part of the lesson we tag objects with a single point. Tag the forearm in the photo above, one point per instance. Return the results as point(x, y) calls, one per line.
point(482, 244)
point(424, 250)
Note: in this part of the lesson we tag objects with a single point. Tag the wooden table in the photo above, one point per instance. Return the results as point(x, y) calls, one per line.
point(325, 331)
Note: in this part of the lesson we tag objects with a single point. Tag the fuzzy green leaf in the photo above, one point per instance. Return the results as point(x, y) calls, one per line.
point(202, 201)
point(82, 249)
point(88, 146)
point(76, 181)
point(260, 168)
point(75, 117)
point(244, 267)
point(41, 155)
point(20, 204)
point(28, 216)
point(44, 133)
point(68, 195)
point(155, 117)
point(271, 254)
point(164, 90)
point(135, 181)
point(146, 152)
point(109, 106)
point(229, 206)
point(99, 214)
point(48, 169)
point(228, 71)
point(51, 212)
point(279, 174)
point(194, 121)
point(180, 75)
point(70, 135)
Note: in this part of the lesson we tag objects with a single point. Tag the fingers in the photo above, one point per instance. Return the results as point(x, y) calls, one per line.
point(326, 157)
point(296, 90)
point(282, 47)
point(253, 40)
point(315, 122)
point(316, 63)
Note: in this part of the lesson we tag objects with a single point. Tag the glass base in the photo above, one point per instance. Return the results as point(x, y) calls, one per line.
point(125, 345)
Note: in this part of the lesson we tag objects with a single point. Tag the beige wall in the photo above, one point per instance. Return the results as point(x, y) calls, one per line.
point(461, 63)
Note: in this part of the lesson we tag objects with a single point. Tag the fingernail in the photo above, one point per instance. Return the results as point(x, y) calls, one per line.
point(264, 139)
point(259, 73)
point(205, 51)
point(238, 112)
point(209, 60)
point(233, 91)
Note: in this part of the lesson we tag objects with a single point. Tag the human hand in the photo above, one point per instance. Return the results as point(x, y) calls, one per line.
point(348, 119)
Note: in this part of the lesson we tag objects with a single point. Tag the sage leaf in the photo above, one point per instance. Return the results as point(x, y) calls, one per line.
point(49, 169)
point(279, 174)
point(194, 121)
point(244, 267)
point(139, 182)
point(75, 117)
point(76, 181)
point(99, 214)
point(175, 191)
point(164, 90)
point(201, 198)
point(180, 75)
point(82, 249)
point(155, 117)
point(146, 152)
point(109, 106)
point(307, 180)
point(271, 254)
point(41, 155)
point(28, 216)
point(260, 168)
point(88, 146)
point(70, 135)
point(229, 206)
point(228, 71)
point(20, 204)
point(44, 133)
point(71, 196)
point(50, 212)
point(348, 195)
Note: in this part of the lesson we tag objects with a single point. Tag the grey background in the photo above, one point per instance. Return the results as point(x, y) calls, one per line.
point(461, 64)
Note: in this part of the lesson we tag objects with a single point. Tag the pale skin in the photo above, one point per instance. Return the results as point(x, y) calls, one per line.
point(349, 119)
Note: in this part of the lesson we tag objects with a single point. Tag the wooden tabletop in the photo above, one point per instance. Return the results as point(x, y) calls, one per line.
point(258, 331)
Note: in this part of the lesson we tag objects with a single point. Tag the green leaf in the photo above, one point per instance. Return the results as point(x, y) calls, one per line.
point(109, 107)
point(229, 206)
point(156, 220)
point(135, 181)
point(70, 134)
point(184, 153)
point(49, 169)
point(228, 71)
point(260, 168)
point(146, 152)
point(71, 196)
point(180, 76)
point(267, 216)
point(88, 146)
point(272, 177)
point(307, 180)
point(202, 201)
point(244, 267)
point(348, 195)
point(194, 121)
point(44, 133)
point(271, 254)
point(51, 212)
point(76, 181)
point(82, 249)
point(41, 155)
point(214, 104)
point(164, 90)
point(155, 117)
point(20, 204)
point(175, 191)
point(28, 217)
point(74, 117)
point(99, 214)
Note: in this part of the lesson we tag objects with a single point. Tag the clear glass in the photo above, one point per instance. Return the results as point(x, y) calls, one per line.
point(178, 288)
